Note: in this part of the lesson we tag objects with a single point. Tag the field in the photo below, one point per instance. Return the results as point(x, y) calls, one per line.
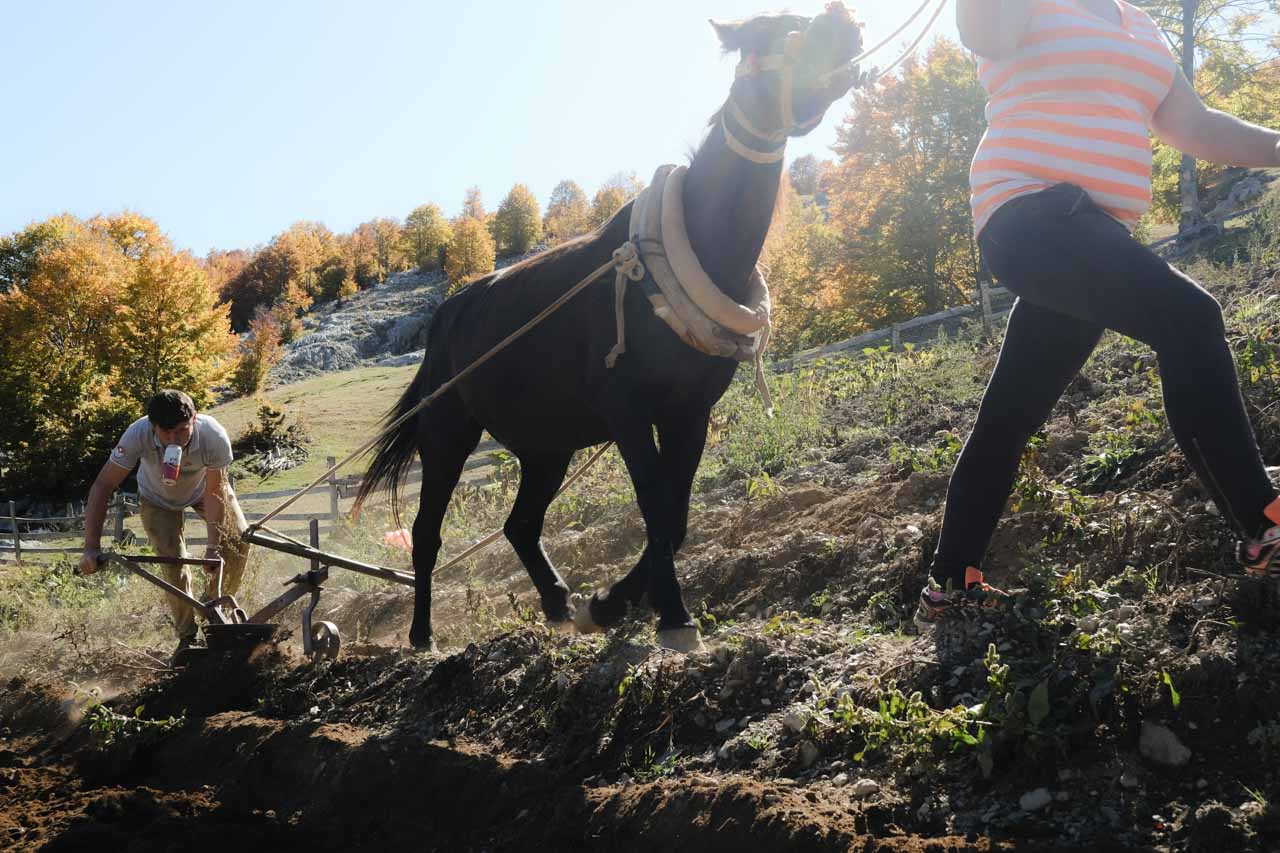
point(1131, 701)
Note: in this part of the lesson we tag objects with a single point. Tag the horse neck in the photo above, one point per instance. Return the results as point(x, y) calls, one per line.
point(728, 205)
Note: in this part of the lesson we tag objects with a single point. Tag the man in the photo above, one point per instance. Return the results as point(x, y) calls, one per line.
point(201, 483)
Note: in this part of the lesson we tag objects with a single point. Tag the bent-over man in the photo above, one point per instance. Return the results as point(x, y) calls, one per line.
point(199, 481)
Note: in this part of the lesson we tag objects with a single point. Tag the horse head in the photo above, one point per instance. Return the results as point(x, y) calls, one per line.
point(791, 69)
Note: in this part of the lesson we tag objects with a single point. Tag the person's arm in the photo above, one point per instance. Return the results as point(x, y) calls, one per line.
point(992, 28)
point(1184, 122)
point(95, 513)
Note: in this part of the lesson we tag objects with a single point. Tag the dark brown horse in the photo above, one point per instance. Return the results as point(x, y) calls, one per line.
point(550, 393)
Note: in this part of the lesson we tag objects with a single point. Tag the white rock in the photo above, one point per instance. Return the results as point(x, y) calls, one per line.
point(840, 780)
point(1034, 801)
point(795, 722)
point(1128, 780)
point(1201, 784)
point(808, 753)
point(1162, 746)
point(865, 787)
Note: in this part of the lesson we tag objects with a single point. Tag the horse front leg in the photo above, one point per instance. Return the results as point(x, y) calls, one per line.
point(680, 451)
point(656, 495)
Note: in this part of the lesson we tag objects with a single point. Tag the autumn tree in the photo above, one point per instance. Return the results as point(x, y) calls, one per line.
point(810, 305)
point(170, 331)
point(426, 233)
point(105, 314)
point(899, 193)
point(473, 206)
point(619, 189)
point(518, 223)
point(20, 252)
point(804, 173)
point(259, 351)
point(568, 213)
point(1222, 37)
point(470, 252)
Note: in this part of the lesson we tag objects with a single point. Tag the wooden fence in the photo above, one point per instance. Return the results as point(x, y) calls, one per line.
point(123, 505)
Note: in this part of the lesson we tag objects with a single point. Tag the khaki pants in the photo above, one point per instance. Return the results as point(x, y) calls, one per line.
point(164, 530)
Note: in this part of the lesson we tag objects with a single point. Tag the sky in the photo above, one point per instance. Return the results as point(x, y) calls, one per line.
point(226, 122)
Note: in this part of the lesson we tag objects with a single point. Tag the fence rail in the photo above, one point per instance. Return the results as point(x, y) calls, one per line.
point(123, 505)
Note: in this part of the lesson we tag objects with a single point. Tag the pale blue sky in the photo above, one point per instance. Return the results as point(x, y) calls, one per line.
point(225, 122)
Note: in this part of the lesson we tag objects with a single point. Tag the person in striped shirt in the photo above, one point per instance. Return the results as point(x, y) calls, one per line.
point(1059, 180)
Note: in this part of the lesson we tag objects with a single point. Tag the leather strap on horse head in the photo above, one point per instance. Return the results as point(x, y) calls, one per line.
point(688, 300)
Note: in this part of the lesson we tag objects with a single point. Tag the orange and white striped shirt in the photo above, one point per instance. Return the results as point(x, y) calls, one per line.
point(1073, 104)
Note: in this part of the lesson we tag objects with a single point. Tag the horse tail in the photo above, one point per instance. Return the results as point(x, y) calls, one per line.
point(394, 451)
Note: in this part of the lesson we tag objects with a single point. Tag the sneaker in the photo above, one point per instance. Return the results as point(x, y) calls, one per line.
point(1258, 556)
point(934, 601)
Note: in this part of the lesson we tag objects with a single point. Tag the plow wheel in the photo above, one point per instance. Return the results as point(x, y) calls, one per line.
point(325, 641)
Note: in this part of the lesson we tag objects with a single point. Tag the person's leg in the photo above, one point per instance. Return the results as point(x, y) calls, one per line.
point(1042, 351)
point(1072, 257)
point(164, 532)
point(231, 547)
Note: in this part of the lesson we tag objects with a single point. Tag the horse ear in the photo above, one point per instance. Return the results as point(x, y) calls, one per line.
point(729, 33)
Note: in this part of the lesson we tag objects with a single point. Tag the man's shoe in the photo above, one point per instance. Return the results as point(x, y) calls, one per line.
point(935, 601)
point(185, 651)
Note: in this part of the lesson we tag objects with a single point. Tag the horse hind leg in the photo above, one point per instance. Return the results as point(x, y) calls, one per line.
point(541, 473)
point(449, 435)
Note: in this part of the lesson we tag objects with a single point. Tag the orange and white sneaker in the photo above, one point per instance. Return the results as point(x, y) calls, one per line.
point(1259, 556)
point(935, 601)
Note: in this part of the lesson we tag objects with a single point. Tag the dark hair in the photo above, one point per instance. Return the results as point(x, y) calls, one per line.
point(169, 408)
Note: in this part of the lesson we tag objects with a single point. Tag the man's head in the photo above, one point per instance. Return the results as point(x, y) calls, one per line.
point(172, 416)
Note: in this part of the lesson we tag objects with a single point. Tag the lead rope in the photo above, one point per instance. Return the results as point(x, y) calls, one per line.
point(629, 268)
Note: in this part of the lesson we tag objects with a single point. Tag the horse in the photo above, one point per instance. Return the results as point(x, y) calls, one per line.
point(555, 390)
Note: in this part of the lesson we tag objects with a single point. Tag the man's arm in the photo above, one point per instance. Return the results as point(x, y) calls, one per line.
point(1184, 122)
point(215, 508)
point(992, 28)
point(95, 513)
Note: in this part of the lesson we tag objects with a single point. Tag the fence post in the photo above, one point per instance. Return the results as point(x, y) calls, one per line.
point(897, 337)
point(333, 489)
point(118, 533)
point(984, 293)
point(17, 540)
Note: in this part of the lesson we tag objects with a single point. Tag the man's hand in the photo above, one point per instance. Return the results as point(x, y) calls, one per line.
point(89, 562)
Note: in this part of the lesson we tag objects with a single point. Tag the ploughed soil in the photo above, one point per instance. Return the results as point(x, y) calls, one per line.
point(1130, 700)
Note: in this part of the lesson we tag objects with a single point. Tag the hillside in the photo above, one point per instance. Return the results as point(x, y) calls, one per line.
point(1130, 702)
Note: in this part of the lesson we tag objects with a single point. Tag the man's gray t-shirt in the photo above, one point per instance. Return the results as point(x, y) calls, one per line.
point(209, 448)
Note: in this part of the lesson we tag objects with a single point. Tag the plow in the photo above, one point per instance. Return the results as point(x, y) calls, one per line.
point(228, 627)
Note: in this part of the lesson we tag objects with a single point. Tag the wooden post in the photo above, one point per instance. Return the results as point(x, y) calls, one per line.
point(314, 530)
point(333, 489)
point(897, 337)
point(984, 293)
point(17, 540)
point(118, 534)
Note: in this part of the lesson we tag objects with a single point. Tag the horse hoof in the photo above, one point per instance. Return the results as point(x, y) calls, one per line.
point(428, 645)
point(563, 627)
point(582, 617)
point(686, 640)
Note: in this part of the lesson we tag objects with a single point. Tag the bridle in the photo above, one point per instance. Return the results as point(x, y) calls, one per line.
point(742, 136)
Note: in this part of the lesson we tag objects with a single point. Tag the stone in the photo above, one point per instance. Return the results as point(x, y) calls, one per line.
point(1162, 746)
point(1034, 801)
point(840, 780)
point(865, 788)
point(809, 753)
point(795, 722)
point(724, 725)
point(1128, 780)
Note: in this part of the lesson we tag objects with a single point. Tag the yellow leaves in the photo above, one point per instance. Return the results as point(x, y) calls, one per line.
point(470, 253)
point(517, 226)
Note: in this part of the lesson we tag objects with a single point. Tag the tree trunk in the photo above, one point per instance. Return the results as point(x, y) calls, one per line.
point(1188, 192)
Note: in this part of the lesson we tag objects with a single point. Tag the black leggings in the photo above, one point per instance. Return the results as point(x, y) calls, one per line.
point(1076, 271)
